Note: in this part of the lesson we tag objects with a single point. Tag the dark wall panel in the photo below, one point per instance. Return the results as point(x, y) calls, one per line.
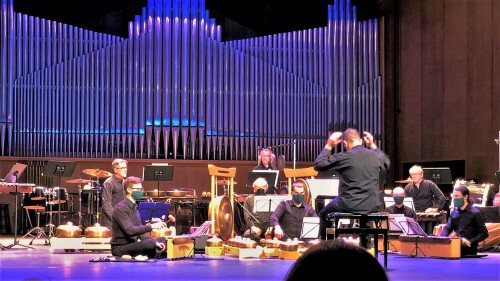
point(455, 80)
point(408, 121)
point(479, 97)
point(432, 79)
point(449, 90)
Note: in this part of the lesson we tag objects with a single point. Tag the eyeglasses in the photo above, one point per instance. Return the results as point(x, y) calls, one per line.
point(122, 168)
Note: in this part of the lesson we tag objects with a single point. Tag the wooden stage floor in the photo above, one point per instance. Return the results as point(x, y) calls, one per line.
point(21, 263)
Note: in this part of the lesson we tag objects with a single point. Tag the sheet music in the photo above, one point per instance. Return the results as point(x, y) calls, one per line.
point(410, 227)
point(268, 203)
point(310, 228)
point(325, 187)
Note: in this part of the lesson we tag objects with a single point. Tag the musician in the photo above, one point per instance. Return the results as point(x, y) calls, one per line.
point(129, 235)
point(112, 191)
point(257, 223)
point(266, 162)
point(359, 170)
point(465, 221)
point(288, 216)
point(426, 195)
point(398, 194)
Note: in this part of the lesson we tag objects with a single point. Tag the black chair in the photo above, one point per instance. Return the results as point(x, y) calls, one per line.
point(372, 223)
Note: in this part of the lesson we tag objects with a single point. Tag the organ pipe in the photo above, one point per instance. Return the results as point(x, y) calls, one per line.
point(173, 89)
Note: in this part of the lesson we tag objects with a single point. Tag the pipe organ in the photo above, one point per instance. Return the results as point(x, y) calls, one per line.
point(173, 89)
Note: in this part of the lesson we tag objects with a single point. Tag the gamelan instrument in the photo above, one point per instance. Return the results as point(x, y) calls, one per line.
point(220, 211)
point(97, 173)
point(431, 246)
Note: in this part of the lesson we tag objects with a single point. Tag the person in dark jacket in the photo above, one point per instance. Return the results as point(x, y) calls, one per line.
point(465, 221)
point(129, 235)
point(359, 171)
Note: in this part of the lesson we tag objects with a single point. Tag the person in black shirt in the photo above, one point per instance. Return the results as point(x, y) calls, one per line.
point(129, 235)
point(288, 216)
point(466, 222)
point(257, 223)
point(426, 195)
point(266, 162)
point(112, 191)
point(398, 194)
point(266, 159)
point(359, 172)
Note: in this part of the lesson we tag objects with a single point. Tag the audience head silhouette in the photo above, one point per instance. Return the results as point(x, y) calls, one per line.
point(327, 253)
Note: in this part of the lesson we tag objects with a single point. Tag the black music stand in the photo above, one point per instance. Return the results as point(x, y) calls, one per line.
point(13, 175)
point(411, 227)
point(158, 173)
point(59, 169)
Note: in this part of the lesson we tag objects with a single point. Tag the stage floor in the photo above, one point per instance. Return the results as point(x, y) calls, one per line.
point(21, 263)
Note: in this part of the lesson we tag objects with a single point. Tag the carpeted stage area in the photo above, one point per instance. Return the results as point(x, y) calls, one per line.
point(21, 263)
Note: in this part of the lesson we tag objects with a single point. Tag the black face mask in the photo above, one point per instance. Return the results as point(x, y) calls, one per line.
point(260, 191)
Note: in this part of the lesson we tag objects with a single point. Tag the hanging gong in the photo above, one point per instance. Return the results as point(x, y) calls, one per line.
point(221, 213)
point(307, 192)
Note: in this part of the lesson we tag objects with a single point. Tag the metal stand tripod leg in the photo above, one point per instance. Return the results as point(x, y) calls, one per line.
point(40, 233)
point(16, 241)
point(416, 249)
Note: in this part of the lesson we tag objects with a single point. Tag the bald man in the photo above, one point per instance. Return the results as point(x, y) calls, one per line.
point(398, 194)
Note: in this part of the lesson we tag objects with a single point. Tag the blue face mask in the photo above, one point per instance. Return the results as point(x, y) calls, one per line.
point(137, 194)
point(298, 198)
point(458, 202)
point(398, 199)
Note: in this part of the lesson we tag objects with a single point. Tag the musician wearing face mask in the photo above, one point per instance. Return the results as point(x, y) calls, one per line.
point(465, 221)
point(398, 194)
point(129, 235)
point(257, 223)
point(288, 216)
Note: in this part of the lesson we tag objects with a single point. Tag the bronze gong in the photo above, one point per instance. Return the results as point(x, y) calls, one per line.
point(221, 213)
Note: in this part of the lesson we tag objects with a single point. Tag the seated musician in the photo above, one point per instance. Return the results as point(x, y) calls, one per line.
point(288, 216)
point(466, 221)
point(398, 194)
point(257, 223)
point(129, 235)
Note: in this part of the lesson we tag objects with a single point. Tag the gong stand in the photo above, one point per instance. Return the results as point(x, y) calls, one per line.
point(221, 207)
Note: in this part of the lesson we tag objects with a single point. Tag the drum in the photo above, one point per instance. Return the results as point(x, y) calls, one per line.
point(38, 193)
point(58, 195)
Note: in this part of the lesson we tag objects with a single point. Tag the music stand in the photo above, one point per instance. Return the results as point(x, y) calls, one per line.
point(150, 210)
point(158, 173)
point(410, 227)
point(271, 177)
point(59, 169)
point(310, 228)
point(268, 203)
point(13, 175)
